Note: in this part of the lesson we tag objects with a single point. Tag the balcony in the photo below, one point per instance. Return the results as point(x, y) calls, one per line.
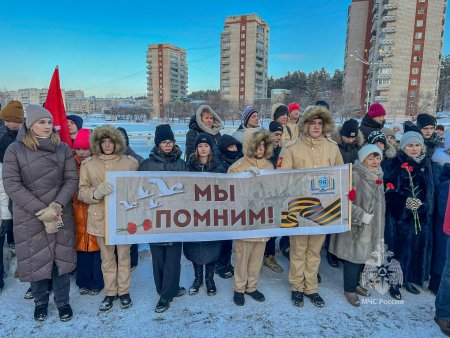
point(390, 7)
point(381, 98)
point(384, 76)
point(386, 54)
point(225, 70)
point(387, 42)
point(389, 30)
point(225, 61)
point(389, 18)
point(226, 55)
point(372, 39)
point(383, 87)
point(225, 46)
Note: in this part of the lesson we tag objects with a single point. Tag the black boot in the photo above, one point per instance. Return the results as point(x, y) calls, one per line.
point(209, 280)
point(198, 281)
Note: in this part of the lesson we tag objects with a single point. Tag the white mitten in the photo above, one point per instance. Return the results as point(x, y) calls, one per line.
point(103, 189)
point(46, 215)
point(367, 218)
point(253, 170)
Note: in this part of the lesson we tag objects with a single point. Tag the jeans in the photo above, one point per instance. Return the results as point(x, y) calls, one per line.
point(443, 297)
point(5, 227)
point(61, 289)
point(89, 270)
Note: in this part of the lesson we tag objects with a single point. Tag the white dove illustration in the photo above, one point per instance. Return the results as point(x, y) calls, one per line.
point(142, 193)
point(129, 205)
point(153, 204)
point(164, 190)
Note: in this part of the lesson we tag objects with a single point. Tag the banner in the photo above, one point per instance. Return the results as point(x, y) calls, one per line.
point(156, 206)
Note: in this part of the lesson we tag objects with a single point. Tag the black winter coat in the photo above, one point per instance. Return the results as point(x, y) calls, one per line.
point(159, 161)
point(349, 152)
point(274, 158)
point(191, 135)
point(439, 237)
point(226, 157)
point(412, 250)
point(7, 137)
point(369, 125)
point(209, 251)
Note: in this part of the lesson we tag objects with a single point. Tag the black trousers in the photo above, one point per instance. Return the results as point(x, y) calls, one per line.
point(270, 247)
point(352, 273)
point(225, 253)
point(61, 289)
point(89, 270)
point(134, 254)
point(166, 269)
point(5, 227)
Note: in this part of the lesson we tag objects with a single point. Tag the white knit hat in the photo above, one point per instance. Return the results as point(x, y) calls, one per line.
point(411, 137)
point(367, 150)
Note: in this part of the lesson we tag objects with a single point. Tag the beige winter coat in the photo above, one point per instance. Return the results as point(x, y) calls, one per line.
point(252, 139)
point(92, 173)
point(369, 199)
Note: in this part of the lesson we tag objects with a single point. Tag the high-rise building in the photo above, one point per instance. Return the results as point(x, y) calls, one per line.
point(393, 54)
point(244, 46)
point(167, 75)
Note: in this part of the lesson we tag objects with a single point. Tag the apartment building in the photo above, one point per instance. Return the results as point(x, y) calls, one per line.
point(167, 76)
point(393, 54)
point(27, 96)
point(244, 47)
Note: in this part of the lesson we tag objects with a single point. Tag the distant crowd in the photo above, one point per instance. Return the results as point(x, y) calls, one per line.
point(52, 204)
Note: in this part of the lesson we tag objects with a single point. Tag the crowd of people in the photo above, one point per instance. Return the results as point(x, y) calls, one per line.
point(52, 204)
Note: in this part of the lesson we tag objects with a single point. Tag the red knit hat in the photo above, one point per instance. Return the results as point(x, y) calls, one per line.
point(82, 139)
point(375, 110)
point(293, 106)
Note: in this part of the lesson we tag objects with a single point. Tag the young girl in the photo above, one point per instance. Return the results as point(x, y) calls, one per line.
point(165, 156)
point(203, 253)
point(355, 247)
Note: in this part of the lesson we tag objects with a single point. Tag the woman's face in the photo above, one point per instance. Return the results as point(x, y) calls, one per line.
point(413, 150)
point(373, 162)
point(203, 150)
point(166, 146)
point(83, 153)
point(43, 127)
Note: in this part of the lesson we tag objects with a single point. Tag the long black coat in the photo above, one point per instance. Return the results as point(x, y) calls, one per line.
point(195, 128)
point(369, 125)
point(439, 237)
point(411, 250)
point(209, 251)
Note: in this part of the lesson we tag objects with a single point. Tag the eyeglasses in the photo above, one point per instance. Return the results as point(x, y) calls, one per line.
point(168, 143)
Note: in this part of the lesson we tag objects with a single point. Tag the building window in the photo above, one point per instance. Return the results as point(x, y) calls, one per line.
point(241, 89)
point(241, 97)
point(421, 11)
point(242, 73)
point(417, 47)
point(419, 23)
point(242, 43)
point(242, 28)
point(242, 51)
point(421, 0)
point(413, 82)
point(242, 66)
point(384, 70)
point(416, 58)
point(242, 59)
point(418, 35)
point(242, 36)
point(415, 70)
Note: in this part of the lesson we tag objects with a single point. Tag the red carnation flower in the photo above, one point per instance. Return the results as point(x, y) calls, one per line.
point(390, 186)
point(404, 165)
point(352, 195)
point(147, 225)
point(132, 228)
point(379, 182)
point(410, 169)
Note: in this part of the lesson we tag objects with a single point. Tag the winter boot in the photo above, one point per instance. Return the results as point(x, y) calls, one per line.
point(65, 313)
point(198, 281)
point(209, 280)
point(40, 312)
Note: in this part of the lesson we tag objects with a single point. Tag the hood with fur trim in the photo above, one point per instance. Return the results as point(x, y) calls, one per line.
point(252, 139)
point(196, 121)
point(337, 137)
point(310, 113)
point(104, 131)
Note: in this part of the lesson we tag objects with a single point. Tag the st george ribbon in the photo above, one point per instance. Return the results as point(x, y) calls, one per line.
point(156, 206)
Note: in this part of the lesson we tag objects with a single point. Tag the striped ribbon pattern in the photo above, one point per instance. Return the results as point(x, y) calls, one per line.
point(310, 208)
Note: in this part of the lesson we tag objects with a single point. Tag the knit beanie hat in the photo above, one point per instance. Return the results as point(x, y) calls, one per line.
point(367, 150)
point(163, 132)
point(424, 120)
point(377, 136)
point(375, 110)
point(388, 132)
point(275, 126)
point(203, 138)
point(322, 103)
point(293, 106)
point(13, 112)
point(411, 137)
point(246, 113)
point(125, 135)
point(77, 120)
point(349, 128)
point(36, 112)
point(410, 126)
point(440, 127)
point(279, 109)
point(82, 139)
point(226, 140)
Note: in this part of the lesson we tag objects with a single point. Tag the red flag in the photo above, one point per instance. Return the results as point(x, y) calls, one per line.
point(55, 105)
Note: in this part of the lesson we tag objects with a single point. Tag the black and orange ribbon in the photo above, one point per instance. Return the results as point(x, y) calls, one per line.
point(310, 208)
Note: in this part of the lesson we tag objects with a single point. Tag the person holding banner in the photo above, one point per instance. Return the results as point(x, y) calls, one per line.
point(203, 253)
point(355, 247)
point(107, 146)
point(313, 149)
point(40, 177)
point(165, 156)
point(249, 252)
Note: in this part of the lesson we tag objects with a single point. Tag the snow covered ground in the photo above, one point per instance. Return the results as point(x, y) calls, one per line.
point(204, 316)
